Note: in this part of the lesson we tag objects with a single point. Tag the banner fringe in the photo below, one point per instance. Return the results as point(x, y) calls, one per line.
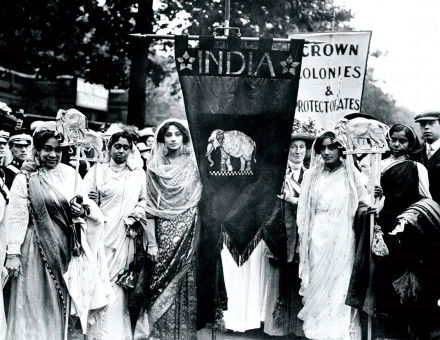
point(241, 258)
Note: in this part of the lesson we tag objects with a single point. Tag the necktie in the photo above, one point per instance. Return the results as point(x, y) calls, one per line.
point(429, 151)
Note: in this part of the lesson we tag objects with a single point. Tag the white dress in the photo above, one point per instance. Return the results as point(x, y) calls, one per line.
point(330, 248)
point(245, 289)
point(122, 193)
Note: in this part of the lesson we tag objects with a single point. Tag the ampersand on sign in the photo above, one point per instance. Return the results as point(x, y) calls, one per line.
point(328, 91)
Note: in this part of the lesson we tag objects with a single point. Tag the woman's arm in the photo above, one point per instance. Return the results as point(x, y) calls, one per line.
point(17, 215)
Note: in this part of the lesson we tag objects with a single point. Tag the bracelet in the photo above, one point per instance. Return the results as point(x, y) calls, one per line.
point(12, 256)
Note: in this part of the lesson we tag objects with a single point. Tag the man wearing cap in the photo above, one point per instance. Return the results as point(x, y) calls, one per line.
point(19, 144)
point(430, 127)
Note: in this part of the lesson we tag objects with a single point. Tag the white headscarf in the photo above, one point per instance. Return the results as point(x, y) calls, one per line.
point(172, 188)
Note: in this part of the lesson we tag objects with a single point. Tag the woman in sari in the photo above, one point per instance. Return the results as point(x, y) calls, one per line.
point(173, 192)
point(403, 182)
point(119, 187)
point(330, 193)
point(42, 245)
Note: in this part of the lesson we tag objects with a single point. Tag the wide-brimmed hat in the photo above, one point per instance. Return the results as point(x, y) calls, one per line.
point(359, 115)
point(303, 131)
point(431, 115)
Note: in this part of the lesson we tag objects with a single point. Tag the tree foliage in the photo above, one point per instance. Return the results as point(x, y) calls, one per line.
point(57, 37)
point(382, 105)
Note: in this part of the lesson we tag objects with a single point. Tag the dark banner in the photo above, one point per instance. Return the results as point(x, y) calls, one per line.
point(240, 104)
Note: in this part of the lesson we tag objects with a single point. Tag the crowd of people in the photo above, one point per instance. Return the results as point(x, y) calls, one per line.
point(111, 253)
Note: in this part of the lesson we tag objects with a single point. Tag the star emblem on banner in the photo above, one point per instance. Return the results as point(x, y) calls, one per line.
point(289, 65)
point(185, 61)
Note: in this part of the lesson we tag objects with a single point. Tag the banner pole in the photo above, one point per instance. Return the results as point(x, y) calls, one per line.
point(216, 37)
point(227, 16)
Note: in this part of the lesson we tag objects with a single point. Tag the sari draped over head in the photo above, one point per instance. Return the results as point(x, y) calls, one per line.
point(172, 188)
point(326, 209)
point(173, 192)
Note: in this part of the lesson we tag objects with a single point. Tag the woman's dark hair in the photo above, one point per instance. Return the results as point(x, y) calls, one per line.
point(324, 136)
point(40, 138)
point(163, 130)
point(123, 134)
point(413, 141)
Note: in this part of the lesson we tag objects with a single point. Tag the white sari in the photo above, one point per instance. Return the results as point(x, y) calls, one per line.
point(122, 193)
point(2, 260)
point(326, 212)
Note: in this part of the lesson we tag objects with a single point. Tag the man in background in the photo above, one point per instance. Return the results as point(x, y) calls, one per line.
point(430, 127)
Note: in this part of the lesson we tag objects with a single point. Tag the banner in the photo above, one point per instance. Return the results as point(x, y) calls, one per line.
point(332, 76)
point(240, 105)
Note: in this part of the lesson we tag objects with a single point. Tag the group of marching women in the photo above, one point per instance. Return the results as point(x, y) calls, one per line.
point(340, 282)
point(112, 255)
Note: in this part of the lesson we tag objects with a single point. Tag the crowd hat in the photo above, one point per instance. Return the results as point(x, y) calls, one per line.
point(359, 115)
point(20, 139)
point(147, 132)
point(303, 131)
point(4, 136)
point(431, 115)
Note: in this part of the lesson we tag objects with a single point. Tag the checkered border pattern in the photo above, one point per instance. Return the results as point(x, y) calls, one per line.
point(232, 173)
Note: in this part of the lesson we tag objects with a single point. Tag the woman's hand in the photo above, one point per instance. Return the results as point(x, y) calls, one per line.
point(13, 265)
point(288, 197)
point(152, 252)
point(93, 195)
point(378, 192)
point(76, 209)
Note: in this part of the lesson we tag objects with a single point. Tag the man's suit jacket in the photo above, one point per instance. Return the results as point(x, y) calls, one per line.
point(433, 167)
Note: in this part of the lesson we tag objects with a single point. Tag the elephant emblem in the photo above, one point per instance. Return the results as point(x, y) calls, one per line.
point(232, 143)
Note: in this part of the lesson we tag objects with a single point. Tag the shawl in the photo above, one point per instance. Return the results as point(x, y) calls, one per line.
point(307, 205)
point(172, 188)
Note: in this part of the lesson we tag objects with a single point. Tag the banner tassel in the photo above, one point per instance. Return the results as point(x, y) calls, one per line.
point(241, 258)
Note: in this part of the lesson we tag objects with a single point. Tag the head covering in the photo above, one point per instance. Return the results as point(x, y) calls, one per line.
point(305, 131)
point(415, 147)
point(172, 188)
point(4, 136)
point(40, 125)
point(20, 139)
point(144, 133)
point(359, 115)
point(432, 115)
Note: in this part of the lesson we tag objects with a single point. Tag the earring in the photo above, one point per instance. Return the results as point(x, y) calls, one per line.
point(164, 150)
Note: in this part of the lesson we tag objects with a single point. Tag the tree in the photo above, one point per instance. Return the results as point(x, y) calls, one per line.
point(58, 37)
point(382, 105)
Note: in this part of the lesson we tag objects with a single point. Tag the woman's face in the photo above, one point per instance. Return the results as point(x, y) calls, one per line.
point(297, 151)
point(149, 142)
point(398, 144)
point(50, 154)
point(120, 150)
point(329, 152)
point(173, 138)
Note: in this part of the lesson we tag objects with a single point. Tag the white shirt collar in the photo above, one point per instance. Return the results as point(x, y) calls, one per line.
point(435, 146)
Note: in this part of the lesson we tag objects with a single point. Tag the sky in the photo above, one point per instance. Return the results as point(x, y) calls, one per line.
point(408, 33)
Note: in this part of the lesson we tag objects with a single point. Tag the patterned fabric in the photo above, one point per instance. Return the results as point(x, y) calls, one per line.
point(173, 291)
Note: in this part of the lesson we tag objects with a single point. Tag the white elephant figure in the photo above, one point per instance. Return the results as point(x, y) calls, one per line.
point(232, 143)
point(362, 133)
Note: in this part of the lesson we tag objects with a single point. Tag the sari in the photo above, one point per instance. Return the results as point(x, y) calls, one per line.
point(122, 194)
point(40, 229)
point(326, 249)
point(173, 192)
